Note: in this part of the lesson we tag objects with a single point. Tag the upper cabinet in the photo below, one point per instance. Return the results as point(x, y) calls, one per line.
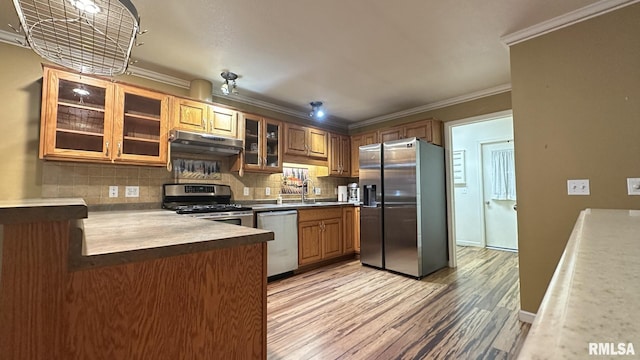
point(203, 117)
point(356, 142)
point(88, 119)
point(339, 155)
point(262, 145)
point(140, 125)
point(428, 130)
point(305, 141)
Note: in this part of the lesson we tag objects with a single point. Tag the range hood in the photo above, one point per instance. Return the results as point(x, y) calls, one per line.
point(198, 143)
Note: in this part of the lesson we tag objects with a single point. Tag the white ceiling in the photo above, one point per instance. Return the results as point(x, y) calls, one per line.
point(362, 58)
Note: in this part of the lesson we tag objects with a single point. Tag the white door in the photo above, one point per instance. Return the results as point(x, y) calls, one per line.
point(498, 177)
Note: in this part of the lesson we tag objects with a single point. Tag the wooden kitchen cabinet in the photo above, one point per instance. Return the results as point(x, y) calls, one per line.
point(190, 115)
point(356, 142)
point(429, 130)
point(95, 120)
point(348, 219)
point(140, 126)
point(319, 234)
point(309, 242)
point(305, 141)
point(339, 155)
point(202, 117)
point(391, 134)
point(262, 145)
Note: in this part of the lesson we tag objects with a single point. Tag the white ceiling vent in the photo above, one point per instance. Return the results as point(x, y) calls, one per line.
point(89, 36)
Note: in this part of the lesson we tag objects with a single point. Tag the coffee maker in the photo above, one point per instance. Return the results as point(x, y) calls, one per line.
point(354, 192)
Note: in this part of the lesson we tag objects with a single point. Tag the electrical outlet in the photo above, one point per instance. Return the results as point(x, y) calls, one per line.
point(245, 191)
point(317, 191)
point(131, 191)
point(113, 191)
point(633, 186)
point(578, 187)
point(267, 191)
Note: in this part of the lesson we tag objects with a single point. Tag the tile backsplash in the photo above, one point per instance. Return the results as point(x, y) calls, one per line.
point(91, 182)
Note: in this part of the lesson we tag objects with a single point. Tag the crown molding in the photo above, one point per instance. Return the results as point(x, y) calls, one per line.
point(13, 38)
point(568, 19)
point(166, 79)
point(158, 77)
point(281, 109)
point(433, 106)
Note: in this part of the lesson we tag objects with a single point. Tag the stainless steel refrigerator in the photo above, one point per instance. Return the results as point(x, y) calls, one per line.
point(403, 223)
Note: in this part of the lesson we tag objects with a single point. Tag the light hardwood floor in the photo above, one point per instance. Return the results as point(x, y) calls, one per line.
point(348, 311)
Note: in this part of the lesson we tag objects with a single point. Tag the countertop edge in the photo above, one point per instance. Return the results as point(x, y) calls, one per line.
point(41, 210)
point(79, 261)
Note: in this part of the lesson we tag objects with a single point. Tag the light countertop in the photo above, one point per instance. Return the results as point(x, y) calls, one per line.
point(113, 237)
point(594, 295)
point(37, 210)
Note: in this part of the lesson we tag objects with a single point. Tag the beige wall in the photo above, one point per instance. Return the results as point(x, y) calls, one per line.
point(576, 107)
point(21, 171)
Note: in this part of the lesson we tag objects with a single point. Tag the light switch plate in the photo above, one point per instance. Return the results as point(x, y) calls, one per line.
point(267, 191)
point(131, 191)
point(245, 191)
point(113, 191)
point(633, 186)
point(578, 187)
point(317, 190)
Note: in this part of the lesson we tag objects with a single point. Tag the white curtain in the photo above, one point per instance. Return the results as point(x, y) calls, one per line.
point(503, 175)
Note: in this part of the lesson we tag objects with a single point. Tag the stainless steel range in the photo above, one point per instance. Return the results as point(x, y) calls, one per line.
point(206, 201)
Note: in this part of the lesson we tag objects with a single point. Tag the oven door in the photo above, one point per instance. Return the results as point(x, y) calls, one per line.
point(243, 218)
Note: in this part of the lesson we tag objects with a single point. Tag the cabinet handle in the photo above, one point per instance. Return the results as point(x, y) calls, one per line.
point(107, 150)
point(119, 148)
point(210, 125)
point(265, 161)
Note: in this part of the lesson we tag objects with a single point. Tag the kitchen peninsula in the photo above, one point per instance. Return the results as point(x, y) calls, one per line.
point(128, 285)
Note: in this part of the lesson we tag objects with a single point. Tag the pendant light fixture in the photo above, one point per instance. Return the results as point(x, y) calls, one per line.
point(88, 36)
point(316, 110)
point(229, 88)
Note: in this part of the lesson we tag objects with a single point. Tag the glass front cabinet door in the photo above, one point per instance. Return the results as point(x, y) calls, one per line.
point(262, 145)
point(140, 126)
point(77, 116)
point(89, 119)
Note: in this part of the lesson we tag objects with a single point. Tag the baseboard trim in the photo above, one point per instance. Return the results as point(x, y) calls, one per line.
point(526, 316)
point(468, 243)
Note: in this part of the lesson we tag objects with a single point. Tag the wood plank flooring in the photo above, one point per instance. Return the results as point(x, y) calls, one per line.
point(349, 311)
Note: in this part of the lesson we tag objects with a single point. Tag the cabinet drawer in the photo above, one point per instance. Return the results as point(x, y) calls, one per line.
point(319, 214)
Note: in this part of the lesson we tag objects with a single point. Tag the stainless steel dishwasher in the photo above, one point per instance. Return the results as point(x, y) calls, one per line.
point(282, 252)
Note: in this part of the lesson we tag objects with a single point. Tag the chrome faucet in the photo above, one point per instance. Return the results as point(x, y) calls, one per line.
point(305, 181)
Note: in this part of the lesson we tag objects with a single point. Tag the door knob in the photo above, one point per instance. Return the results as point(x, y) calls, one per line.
point(515, 207)
point(487, 203)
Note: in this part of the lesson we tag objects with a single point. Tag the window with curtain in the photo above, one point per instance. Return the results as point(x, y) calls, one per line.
point(503, 175)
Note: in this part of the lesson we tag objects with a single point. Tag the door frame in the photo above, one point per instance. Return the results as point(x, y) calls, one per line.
point(481, 175)
point(448, 140)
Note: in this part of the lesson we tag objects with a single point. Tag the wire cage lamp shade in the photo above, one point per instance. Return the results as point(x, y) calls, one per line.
point(88, 36)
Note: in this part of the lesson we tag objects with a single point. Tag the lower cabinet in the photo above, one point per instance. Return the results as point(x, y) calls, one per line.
point(356, 230)
point(320, 234)
point(348, 216)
